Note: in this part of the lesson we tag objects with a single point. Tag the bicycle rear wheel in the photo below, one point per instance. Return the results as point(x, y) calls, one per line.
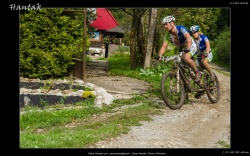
point(213, 89)
point(172, 95)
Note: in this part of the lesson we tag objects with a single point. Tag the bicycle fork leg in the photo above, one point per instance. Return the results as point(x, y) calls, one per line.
point(178, 80)
point(172, 86)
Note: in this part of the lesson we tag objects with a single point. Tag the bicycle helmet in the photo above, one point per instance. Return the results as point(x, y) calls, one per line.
point(168, 19)
point(195, 28)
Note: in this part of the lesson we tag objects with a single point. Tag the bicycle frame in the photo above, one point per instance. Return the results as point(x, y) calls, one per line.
point(180, 71)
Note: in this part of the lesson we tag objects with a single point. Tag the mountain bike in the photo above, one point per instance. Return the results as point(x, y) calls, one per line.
point(179, 82)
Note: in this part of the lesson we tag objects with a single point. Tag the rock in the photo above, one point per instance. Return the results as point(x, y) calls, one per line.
point(59, 92)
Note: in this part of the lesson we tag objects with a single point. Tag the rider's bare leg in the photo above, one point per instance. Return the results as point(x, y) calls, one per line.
point(190, 62)
point(206, 65)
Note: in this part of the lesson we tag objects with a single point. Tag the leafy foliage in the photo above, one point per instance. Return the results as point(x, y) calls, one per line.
point(222, 46)
point(204, 17)
point(146, 72)
point(122, 49)
point(49, 39)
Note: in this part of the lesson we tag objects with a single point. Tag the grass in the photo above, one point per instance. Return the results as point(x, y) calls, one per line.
point(224, 73)
point(223, 144)
point(221, 64)
point(78, 127)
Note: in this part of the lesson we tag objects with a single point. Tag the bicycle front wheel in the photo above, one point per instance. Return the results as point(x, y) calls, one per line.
point(213, 89)
point(173, 93)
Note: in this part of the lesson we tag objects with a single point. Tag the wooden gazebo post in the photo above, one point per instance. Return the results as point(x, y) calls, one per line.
point(84, 42)
point(84, 47)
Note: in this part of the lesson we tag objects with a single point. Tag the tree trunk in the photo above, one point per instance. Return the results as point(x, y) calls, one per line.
point(150, 38)
point(137, 39)
point(141, 42)
point(133, 42)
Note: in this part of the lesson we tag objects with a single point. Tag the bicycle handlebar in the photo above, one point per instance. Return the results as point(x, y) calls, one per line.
point(169, 58)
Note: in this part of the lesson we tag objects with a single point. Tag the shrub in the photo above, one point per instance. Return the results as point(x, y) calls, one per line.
point(123, 49)
point(222, 47)
point(49, 39)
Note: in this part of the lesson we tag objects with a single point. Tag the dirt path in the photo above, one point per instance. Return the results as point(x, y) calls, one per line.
point(120, 87)
point(199, 124)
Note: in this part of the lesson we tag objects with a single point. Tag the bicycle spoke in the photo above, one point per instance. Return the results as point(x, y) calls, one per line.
point(171, 90)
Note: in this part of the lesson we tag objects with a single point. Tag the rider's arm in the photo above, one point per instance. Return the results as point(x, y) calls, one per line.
point(188, 39)
point(207, 46)
point(163, 48)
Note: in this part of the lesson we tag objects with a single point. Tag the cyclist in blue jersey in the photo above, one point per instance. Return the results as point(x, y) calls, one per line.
point(204, 49)
point(179, 36)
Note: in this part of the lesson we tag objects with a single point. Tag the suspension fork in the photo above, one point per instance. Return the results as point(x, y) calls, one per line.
point(180, 75)
point(178, 79)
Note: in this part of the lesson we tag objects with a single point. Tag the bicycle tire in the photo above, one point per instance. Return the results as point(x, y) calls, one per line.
point(213, 90)
point(172, 99)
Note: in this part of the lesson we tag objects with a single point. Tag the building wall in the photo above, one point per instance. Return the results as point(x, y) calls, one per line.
point(97, 43)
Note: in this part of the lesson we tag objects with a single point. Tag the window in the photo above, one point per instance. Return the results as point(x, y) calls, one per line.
point(96, 36)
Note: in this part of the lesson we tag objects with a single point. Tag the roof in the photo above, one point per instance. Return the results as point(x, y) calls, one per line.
point(117, 32)
point(117, 29)
point(105, 20)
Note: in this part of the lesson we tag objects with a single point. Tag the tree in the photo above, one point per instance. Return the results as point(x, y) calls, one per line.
point(150, 38)
point(223, 19)
point(137, 41)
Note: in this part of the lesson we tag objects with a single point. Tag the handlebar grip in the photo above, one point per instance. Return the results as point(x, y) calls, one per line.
point(158, 57)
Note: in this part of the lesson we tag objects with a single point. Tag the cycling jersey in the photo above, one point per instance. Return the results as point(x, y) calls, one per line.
point(201, 43)
point(181, 30)
point(201, 46)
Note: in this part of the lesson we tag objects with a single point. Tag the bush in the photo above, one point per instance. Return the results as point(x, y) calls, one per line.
point(49, 39)
point(222, 47)
point(123, 49)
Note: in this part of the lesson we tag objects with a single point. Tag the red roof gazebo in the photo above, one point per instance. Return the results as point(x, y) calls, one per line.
point(105, 20)
point(105, 25)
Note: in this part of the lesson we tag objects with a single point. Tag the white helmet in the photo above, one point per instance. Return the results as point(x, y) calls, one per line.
point(168, 19)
